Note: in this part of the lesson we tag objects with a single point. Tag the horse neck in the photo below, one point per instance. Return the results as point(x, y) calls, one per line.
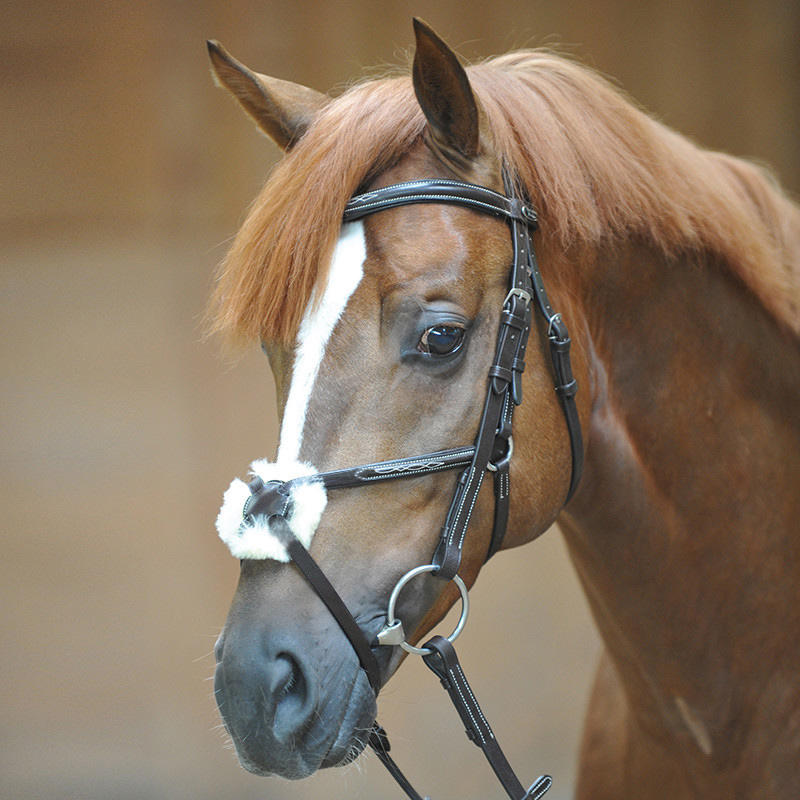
point(684, 531)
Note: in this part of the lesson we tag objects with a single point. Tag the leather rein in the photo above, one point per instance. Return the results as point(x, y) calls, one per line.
point(492, 451)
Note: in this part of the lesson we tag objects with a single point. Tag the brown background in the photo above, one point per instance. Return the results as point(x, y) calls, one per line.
point(124, 173)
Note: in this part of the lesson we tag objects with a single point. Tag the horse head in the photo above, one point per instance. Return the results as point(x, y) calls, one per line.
point(381, 349)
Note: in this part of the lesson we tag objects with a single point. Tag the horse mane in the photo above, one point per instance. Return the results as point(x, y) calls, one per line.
point(597, 168)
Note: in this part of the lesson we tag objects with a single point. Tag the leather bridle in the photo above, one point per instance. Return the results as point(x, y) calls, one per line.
point(491, 451)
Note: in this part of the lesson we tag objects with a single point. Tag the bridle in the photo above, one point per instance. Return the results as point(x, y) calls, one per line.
point(492, 451)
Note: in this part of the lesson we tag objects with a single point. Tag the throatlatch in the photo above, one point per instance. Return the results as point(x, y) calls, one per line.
point(492, 451)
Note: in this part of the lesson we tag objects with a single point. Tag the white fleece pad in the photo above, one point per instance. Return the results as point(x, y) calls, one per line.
point(254, 539)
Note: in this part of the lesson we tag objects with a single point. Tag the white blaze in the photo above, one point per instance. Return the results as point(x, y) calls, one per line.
point(254, 540)
point(347, 270)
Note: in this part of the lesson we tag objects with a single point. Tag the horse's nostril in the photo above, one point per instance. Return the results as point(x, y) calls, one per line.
point(254, 690)
point(284, 675)
point(219, 648)
point(289, 688)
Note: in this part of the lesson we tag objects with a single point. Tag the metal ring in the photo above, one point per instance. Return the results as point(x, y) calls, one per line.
point(507, 457)
point(552, 321)
point(462, 587)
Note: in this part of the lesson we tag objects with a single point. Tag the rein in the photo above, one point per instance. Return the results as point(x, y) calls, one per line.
point(492, 451)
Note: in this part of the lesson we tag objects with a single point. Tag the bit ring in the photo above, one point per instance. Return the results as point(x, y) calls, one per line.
point(462, 620)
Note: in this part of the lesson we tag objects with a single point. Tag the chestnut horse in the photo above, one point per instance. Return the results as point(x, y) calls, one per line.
point(678, 271)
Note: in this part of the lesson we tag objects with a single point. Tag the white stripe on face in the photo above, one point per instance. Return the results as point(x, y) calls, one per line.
point(347, 270)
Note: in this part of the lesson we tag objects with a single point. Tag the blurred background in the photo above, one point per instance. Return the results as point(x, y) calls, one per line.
point(124, 174)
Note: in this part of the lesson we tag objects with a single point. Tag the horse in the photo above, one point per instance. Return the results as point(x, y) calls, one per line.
point(678, 272)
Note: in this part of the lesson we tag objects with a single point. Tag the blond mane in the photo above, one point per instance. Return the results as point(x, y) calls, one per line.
point(597, 168)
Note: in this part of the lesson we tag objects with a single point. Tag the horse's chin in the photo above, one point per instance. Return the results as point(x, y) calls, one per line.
point(349, 743)
point(338, 735)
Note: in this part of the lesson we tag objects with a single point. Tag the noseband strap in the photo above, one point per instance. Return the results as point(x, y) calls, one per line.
point(333, 601)
point(492, 451)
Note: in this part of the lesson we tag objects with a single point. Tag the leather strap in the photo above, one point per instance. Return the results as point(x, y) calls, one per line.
point(501, 461)
point(566, 387)
point(379, 742)
point(412, 467)
point(565, 384)
point(444, 663)
point(436, 190)
point(324, 589)
point(505, 391)
point(514, 328)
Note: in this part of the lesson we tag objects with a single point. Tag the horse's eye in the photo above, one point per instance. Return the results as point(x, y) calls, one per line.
point(441, 340)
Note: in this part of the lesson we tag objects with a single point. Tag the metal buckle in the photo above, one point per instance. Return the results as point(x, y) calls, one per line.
point(526, 296)
point(393, 634)
point(552, 321)
point(538, 788)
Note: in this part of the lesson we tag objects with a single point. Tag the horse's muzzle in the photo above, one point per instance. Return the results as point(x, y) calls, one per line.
point(292, 702)
point(267, 699)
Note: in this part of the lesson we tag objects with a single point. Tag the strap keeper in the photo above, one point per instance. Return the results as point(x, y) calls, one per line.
point(516, 388)
point(446, 559)
point(568, 389)
point(504, 374)
point(514, 320)
point(560, 345)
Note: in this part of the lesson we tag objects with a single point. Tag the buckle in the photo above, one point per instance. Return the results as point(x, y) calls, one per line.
point(538, 788)
point(556, 329)
point(521, 293)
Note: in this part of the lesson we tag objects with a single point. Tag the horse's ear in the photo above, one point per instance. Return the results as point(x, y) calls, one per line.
point(283, 110)
point(444, 93)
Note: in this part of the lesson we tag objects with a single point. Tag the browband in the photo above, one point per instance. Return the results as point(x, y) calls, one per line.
point(435, 190)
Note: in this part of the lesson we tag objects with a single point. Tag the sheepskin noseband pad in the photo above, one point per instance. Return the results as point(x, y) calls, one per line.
point(250, 537)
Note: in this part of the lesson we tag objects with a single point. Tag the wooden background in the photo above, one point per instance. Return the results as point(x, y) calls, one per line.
point(124, 174)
